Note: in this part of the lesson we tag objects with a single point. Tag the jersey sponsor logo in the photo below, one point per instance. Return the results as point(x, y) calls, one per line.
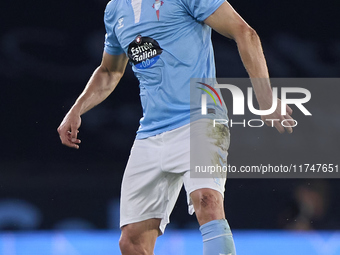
point(144, 52)
point(157, 5)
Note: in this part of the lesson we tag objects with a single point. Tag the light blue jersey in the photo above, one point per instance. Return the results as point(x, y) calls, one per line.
point(167, 44)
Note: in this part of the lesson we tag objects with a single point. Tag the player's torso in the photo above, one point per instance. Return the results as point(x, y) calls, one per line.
point(167, 47)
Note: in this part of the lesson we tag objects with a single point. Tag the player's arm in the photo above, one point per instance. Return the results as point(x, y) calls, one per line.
point(226, 21)
point(101, 84)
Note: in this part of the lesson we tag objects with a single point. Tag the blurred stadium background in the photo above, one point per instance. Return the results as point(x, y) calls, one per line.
point(59, 201)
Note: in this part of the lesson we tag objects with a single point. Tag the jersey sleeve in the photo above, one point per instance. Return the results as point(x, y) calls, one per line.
point(201, 9)
point(111, 45)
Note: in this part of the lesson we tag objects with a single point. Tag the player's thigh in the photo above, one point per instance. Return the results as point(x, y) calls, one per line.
point(209, 146)
point(143, 185)
point(147, 191)
point(205, 182)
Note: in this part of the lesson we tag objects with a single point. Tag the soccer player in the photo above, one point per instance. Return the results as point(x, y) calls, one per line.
point(168, 43)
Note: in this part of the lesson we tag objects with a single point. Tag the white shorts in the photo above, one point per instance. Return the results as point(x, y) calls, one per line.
point(159, 165)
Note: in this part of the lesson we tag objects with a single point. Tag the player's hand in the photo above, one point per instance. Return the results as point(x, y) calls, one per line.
point(276, 115)
point(68, 130)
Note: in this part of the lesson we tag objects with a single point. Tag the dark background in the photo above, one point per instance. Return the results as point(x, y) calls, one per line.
point(48, 52)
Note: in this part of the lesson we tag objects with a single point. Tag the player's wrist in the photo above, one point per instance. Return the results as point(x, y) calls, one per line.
point(265, 101)
point(75, 110)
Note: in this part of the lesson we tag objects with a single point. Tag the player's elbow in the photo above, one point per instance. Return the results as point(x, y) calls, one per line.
point(245, 32)
point(251, 34)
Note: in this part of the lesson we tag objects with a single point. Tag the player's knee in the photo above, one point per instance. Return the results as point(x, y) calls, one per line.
point(130, 245)
point(124, 244)
point(208, 205)
point(208, 202)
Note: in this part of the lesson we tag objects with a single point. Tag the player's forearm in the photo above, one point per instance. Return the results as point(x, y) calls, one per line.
point(99, 87)
point(250, 50)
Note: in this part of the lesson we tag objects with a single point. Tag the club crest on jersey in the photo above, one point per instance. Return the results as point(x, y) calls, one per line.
point(157, 5)
point(144, 52)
